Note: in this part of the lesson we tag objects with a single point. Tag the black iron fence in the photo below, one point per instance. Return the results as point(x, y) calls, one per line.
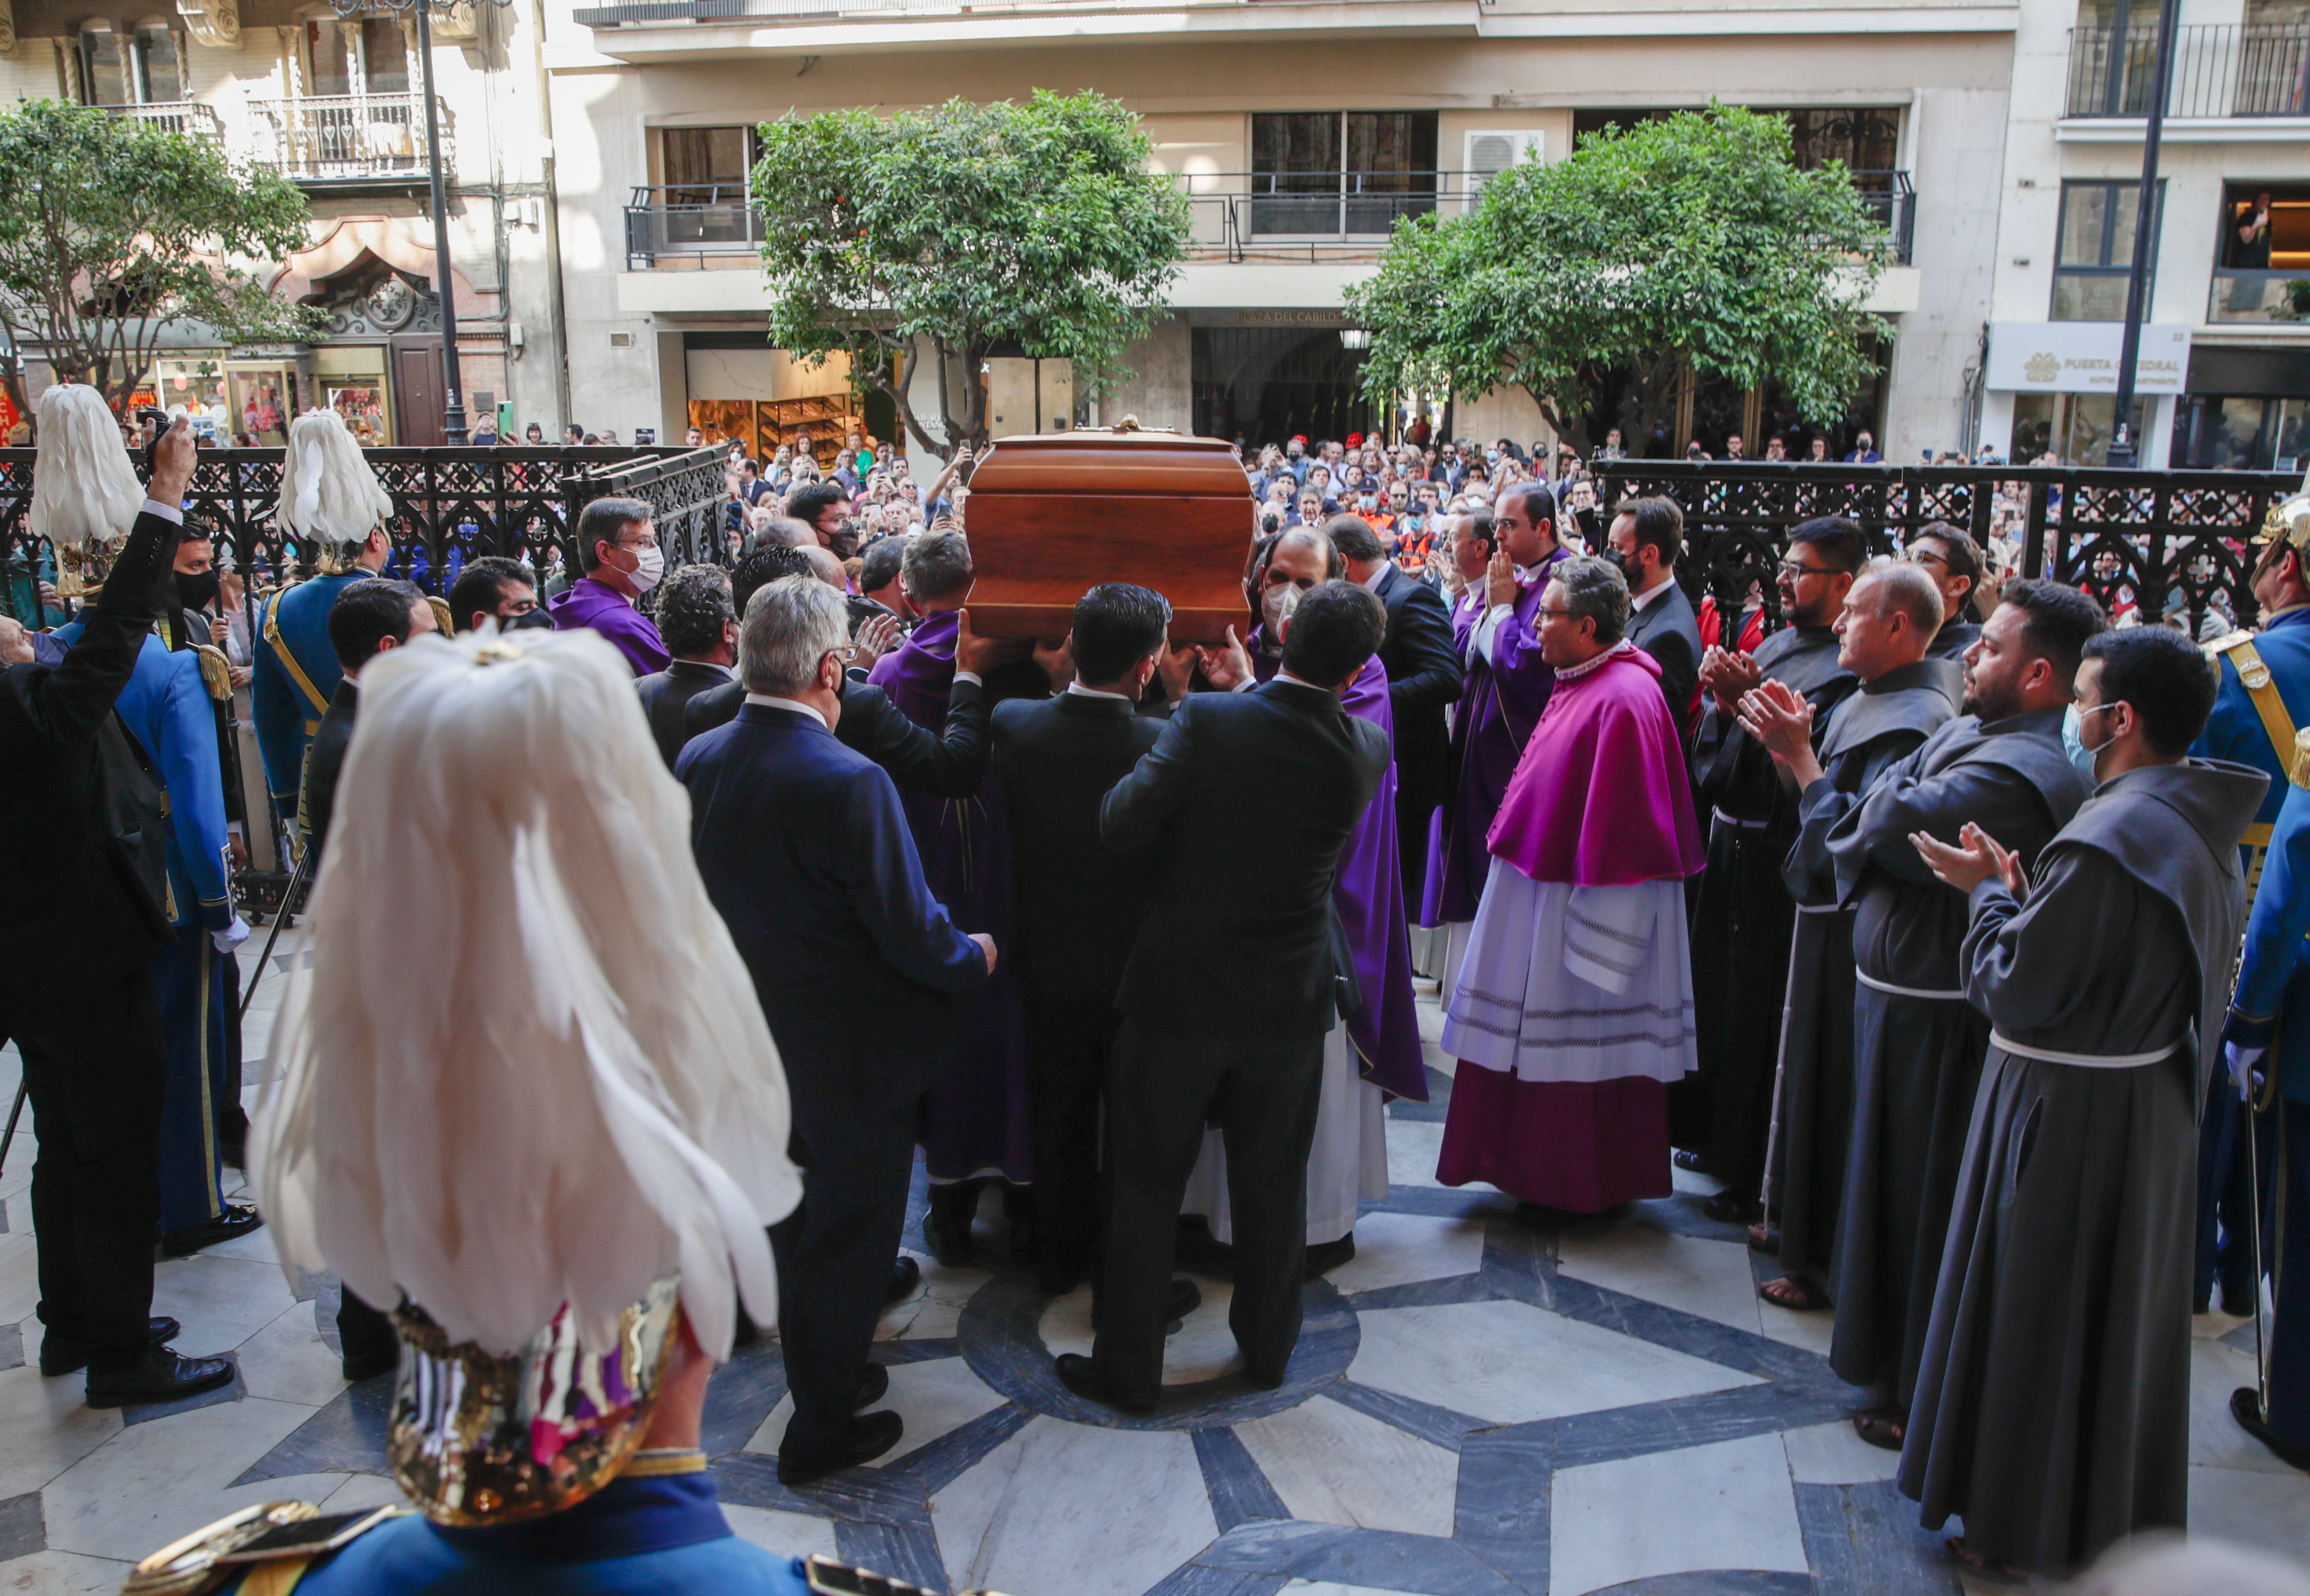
point(2123, 536)
point(450, 506)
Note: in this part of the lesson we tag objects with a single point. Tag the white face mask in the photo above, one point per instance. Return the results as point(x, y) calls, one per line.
point(645, 576)
point(1271, 606)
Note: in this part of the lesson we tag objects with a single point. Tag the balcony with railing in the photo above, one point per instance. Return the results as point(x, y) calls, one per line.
point(343, 138)
point(2245, 69)
point(691, 225)
point(174, 116)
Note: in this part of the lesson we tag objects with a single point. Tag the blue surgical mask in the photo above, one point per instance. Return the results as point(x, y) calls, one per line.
point(2074, 740)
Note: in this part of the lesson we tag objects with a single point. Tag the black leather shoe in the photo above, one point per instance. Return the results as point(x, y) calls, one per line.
point(873, 1388)
point(1329, 1255)
point(236, 1220)
point(871, 1436)
point(61, 1355)
point(1081, 1376)
point(1186, 1297)
point(163, 1376)
point(906, 1274)
point(367, 1363)
point(2245, 1407)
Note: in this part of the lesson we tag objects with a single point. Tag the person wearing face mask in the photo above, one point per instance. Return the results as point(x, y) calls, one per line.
point(1301, 559)
point(617, 547)
point(496, 591)
point(1646, 536)
point(2264, 699)
point(2052, 1404)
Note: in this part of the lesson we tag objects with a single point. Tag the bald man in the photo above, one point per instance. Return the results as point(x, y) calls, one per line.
point(1891, 616)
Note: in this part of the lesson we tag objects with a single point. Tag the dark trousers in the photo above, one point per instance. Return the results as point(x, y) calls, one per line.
point(93, 1069)
point(834, 1253)
point(1069, 1046)
point(2286, 1135)
point(1413, 811)
point(2225, 1197)
point(364, 1332)
point(189, 984)
point(1261, 1090)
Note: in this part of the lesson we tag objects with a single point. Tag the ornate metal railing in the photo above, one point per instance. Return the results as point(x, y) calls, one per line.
point(2120, 535)
point(449, 505)
point(321, 137)
point(174, 116)
point(2226, 69)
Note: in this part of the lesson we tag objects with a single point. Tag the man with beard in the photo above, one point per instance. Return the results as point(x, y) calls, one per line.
point(1741, 918)
point(1918, 1046)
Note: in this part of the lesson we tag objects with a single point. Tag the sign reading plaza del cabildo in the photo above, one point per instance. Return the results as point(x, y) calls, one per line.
point(2080, 357)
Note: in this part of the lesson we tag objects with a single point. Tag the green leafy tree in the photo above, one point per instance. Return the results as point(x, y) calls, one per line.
point(961, 229)
point(1691, 243)
point(112, 230)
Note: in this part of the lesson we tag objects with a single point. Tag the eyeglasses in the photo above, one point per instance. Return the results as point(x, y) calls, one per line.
point(650, 543)
point(1560, 614)
point(1798, 573)
point(1924, 557)
point(846, 654)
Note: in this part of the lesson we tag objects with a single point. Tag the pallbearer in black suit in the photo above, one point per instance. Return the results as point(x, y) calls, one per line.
point(1645, 537)
point(1423, 680)
point(1236, 974)
point(806, 853)
point(700, 628)
point(1078, 903)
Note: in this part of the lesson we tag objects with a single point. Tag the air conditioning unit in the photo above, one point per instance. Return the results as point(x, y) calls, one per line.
point(1492, 150)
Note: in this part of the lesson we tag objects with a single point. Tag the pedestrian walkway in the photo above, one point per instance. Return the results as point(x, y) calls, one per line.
point(1480, 1406)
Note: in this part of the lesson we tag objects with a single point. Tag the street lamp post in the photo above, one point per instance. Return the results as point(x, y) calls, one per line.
point(453, 412)
point(2122, 451)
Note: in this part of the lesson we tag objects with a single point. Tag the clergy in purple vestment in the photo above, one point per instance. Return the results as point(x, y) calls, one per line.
point(617, 547)
point(975, 1115)
point(1375, 1054)
point(1506, 559)
point(1573, 1009)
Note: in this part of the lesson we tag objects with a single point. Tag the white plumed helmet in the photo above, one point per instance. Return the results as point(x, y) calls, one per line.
point(328, 492)
point(84, 486)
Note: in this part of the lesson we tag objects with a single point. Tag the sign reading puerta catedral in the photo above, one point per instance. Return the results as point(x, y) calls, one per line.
point(2080, 357)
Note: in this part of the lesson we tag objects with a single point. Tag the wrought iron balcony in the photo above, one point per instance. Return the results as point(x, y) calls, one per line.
point(175, 115)
point(340, 137)
point(2250, 69)
point(690, 224)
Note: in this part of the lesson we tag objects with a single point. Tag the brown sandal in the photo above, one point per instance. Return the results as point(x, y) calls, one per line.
point(1882, 1427)
point(1966, 1555)
point(1766, 1238)
point(1798, 1296)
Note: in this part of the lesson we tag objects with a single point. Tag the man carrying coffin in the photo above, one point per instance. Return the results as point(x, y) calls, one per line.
point(1574, 1006)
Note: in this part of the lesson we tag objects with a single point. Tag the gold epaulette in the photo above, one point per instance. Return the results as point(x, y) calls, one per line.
point(2298, 772)
point(2226, 642)
point(440, 607)
point(216, 671)
point(269, 1543)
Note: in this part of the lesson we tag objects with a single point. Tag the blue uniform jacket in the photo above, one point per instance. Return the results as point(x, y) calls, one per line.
point(2272, 1006)
point(654, 1536)
point(168, 709)
point(294, 630)
point(2235, 731)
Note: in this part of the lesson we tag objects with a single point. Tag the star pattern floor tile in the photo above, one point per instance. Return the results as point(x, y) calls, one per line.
point(1481, 1405)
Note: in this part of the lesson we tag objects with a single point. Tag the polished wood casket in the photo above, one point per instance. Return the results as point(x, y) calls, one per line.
point(1052, 514)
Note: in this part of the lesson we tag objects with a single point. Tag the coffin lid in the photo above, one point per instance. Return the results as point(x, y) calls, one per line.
point(1101, 462)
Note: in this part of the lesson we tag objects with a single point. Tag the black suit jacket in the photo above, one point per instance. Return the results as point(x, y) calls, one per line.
point(805, 852)
point(82, 856)
point(1667, 630)
point(666, 695)
point(1248, 798)
point(324, 757)
point(951, 766)
point(1424, 678)
point(1078, 903)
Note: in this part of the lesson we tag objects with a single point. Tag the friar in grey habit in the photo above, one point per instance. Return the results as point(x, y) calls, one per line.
point(1741, 919)
point(1917, 1045)
point(2052, 1404)
point(1889, 620)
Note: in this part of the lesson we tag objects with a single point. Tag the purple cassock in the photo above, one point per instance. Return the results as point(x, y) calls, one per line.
point(1506, 688)
point(976, 1115)
point(600, 608)
point(1368, 894)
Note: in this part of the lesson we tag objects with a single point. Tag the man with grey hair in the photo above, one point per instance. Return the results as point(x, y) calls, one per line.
point(618, 551)
point(1891, 617)
point(700, 627)
point(772, 530)
point(806, 852)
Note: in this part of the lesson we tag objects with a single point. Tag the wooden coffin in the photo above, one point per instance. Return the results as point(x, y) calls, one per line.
point(1050, 516)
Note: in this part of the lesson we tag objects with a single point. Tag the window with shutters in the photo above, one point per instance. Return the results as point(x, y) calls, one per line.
point(1340, 173)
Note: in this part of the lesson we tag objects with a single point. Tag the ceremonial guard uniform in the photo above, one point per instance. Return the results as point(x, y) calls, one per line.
point(2264, 697)
point(2271, 1016)
point(294, 677)
point(546, 1424)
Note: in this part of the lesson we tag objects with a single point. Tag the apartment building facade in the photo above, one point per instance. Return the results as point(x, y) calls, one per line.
point(334, 103)
point(1300, 129)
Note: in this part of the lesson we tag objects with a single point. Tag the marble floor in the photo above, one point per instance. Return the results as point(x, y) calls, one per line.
point(1480, 1407)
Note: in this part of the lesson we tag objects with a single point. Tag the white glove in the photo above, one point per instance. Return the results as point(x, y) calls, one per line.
point(2242, 1061)
point(232, 936)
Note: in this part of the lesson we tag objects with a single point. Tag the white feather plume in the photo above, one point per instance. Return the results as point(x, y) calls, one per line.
point(84, 486)
point(327, 491)
point(527, 1065)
